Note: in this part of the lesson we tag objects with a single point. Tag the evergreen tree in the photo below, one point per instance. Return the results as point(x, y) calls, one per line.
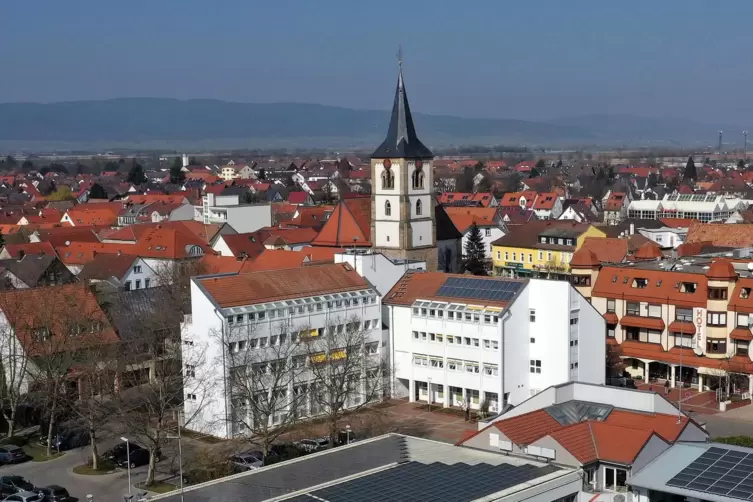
point(177, 176)
point(741, 165)
point(136, 174)
point(534, 173)
point(540, 164)
point(97, 192)
point(475, 252)
point(690, 173)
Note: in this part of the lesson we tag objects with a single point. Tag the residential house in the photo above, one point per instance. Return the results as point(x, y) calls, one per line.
point(31, 271)
point(243, 218)
point(119, 271)
point(486, 219)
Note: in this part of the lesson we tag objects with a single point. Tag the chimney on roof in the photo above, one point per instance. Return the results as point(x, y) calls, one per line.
point(21, 254)
point(632, 229)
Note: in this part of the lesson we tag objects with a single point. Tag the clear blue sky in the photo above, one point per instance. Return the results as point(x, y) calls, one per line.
point(480, 58)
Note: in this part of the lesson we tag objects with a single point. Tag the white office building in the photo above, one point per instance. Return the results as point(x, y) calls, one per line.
point(244, 218)
point(703, 207)
point(247, 318)
point(459, 340)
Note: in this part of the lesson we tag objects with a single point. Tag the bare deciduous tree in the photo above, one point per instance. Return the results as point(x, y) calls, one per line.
point(13, 360)
point(264, 377)
point(152, 384)
point(347, 370)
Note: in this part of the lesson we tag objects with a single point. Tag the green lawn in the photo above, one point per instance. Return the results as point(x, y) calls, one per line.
point(38, 453)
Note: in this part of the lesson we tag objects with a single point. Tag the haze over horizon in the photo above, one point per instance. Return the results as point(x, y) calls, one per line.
point(533, 60)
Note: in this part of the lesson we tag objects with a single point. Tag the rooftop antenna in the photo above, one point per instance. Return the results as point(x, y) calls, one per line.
point(400, 57)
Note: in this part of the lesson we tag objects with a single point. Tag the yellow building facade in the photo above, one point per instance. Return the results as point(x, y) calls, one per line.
point(547, 252)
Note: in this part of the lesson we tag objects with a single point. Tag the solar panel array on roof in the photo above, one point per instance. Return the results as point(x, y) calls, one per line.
point(480, 289)
point(719, 471)
point(415, 481)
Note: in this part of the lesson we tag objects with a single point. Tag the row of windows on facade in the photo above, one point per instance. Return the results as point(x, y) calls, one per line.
point(713, 293)
point(718, 319)
point(388, 179)
point(388, 208)
point(455, 365)
point(713, 345)
point(127, 284)
point(702, 216)
point(455, 340)
point(296, 362)
point(261, 342)
point(455, 316)
point(298, 310)
point(565, 257)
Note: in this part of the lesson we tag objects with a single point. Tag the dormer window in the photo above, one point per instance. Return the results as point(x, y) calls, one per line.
point(688, 287)
point(745, 293)
point(640, 283)
point(625, 280)
point(614, 279)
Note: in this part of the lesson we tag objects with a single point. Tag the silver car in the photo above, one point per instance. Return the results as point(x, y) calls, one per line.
point(24, 497)
point(247, 461)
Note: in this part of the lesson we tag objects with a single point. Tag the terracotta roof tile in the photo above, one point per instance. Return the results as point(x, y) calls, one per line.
point(464, 217)
point(606, 249)
point(527, 428)
point(35, 248)
point(617, 282)
point(648, 251)
point(578, 440)
point(258, 287)
point(664, 425)
point(348, 226)
point(618, 444)
point(105, 266)
point(738, 235)
point(29, 308)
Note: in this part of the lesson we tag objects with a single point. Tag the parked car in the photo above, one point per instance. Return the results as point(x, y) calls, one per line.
point(55, 493)
point(25, 497)
point(312, 445)
point(135, 454)
point(66, 439)
point(11, 454)
point(10, 485)
point(247, 461)
point(283, 451)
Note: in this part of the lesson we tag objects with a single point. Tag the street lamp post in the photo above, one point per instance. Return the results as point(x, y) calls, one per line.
point(128, 461)
point(429, 389)
point(180, 460)
point(347, 434)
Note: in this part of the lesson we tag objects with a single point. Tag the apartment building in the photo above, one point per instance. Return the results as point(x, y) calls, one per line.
point(684, 321)
point(540, 248)
point(465, 341)
point(228, 209)
point(243, 324)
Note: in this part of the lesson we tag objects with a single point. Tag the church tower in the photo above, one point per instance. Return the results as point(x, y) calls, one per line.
point(402, 185)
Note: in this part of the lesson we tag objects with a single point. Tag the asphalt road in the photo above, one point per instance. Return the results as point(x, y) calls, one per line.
point(104, 488)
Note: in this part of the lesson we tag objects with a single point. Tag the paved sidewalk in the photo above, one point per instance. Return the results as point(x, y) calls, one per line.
point(690, 399)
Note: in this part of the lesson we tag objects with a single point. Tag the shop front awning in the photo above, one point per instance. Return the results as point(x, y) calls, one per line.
point(633, 321)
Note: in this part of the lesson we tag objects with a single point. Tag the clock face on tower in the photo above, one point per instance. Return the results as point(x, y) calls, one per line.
point(419, 163)
point(387, 163)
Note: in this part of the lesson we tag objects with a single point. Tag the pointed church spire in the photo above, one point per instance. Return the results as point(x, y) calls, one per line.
point(401, 141)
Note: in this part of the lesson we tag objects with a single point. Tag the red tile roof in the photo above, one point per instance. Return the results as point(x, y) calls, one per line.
point(606, 249)
point(56, 308)
point(545, 201)
point(35, 248)
point(348, 226)
point(464, 217)
point(738, 235)
point(648, 251)
point(259, 287)
point(512, 199)
point(617, 282)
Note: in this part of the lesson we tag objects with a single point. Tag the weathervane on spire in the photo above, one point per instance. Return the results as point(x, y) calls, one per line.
point(400, 56)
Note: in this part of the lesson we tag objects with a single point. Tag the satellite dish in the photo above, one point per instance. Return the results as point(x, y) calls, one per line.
point(698, 350)
point(750, 266)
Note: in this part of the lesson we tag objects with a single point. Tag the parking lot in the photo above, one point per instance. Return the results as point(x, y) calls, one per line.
point(104, 487)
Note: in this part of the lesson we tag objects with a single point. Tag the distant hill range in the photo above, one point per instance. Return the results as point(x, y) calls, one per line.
point(204, 123)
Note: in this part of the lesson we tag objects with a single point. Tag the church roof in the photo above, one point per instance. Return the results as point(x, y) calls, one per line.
point(348, 226)
point(401, 140)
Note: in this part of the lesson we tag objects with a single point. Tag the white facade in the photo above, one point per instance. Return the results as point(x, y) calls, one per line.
point(548, 335)
point(379, 270)
point(489, 234)
point(404, 189)
point(139, 276)
point(243, 218)
point(211, 408)
point(705, 208)
point(666, 237)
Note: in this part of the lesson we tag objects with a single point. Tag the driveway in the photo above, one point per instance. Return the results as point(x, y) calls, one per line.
point(104, 488)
